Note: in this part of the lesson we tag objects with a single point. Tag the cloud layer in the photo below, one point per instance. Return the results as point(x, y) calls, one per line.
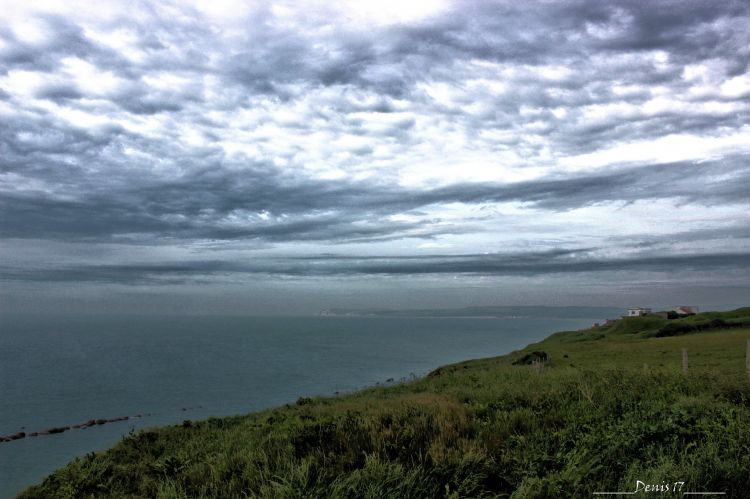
point(179, 143)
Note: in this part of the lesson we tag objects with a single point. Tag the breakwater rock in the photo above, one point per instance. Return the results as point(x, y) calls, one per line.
point(60, 429)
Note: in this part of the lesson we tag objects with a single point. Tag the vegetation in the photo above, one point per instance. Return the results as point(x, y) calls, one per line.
point(580, 412)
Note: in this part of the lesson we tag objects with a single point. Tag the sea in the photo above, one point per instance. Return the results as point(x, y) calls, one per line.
point(64, 370)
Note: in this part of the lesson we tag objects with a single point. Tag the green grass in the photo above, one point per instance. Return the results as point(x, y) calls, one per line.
point(610, 407)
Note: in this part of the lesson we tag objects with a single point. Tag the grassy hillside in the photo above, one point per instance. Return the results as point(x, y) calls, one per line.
point(610, 407)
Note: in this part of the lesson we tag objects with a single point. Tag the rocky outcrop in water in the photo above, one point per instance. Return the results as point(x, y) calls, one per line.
point(80, 426)
point(60, 429)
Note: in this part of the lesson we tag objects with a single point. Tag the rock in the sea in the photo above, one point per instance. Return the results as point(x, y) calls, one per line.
point(15, 436)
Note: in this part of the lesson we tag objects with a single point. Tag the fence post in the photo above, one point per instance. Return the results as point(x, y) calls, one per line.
point(747, 359)
point(684, 361)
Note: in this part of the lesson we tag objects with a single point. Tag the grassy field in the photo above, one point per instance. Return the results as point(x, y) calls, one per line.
point(609, 408)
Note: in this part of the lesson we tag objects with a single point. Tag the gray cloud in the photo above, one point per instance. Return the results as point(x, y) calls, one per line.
point(59, 92)
point(520, 264)
point(197, 206)
point(64, 38)
point(309, 132)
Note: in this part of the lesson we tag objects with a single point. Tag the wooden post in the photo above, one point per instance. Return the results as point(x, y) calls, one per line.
point(747, 359)
point(684, 361)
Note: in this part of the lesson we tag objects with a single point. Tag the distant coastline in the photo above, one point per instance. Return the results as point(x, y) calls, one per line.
point(482, 312)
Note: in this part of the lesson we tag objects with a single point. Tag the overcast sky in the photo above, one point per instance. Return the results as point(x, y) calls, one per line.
point(287, 157)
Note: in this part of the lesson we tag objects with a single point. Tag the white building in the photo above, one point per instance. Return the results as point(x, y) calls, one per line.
point(638, 311)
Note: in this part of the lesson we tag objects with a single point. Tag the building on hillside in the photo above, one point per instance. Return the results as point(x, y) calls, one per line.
point(684, 310)
point(676, 313)
point(638, 312)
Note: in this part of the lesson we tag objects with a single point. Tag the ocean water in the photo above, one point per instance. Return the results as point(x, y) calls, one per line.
point(65, 370)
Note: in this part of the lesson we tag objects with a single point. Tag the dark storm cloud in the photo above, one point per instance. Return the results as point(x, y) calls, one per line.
point(495, 31)
point(151, 103)
point(63, 38)
point(599, 42)
point(684, 28)
point(198, 205)
point(59, 92)
point(576, 77)
point(554, 262)
point(47, 155)
point(691, 182)
point(518, 264)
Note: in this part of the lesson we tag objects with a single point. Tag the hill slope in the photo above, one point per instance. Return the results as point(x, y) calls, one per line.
point(609, 408)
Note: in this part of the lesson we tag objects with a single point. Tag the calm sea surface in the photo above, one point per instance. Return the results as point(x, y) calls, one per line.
point(59, 371)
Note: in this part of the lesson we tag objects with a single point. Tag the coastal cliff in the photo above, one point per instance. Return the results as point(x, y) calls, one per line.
point(606, 409)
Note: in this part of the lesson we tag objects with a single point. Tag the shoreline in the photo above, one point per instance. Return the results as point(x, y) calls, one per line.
point(460, 392)
point(379, 342)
